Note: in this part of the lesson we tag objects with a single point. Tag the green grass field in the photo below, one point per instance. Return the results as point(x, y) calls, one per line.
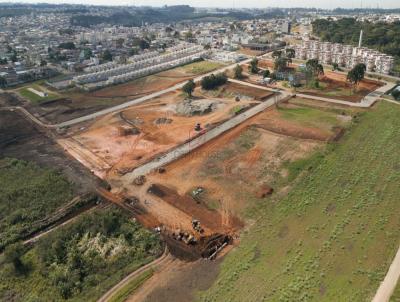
point(34, 98)
point(333, 237)
point(201, 67)
point(311, 117)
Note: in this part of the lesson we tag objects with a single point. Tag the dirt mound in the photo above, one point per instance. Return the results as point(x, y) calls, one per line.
point(123, 131)
point(163, 120)
point(197, 107)
point(206, 247)
point(264, 191)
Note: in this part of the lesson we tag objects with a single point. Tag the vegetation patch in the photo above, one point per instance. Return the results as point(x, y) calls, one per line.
point(28, 194)
point(131, 286)
point(319, 243)
point(80, 261)
point(35, 98)
point(201, 67)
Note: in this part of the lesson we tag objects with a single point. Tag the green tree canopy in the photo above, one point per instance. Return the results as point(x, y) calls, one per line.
point(189, 87)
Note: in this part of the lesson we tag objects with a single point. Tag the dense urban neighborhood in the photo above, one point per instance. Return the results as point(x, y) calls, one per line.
point(181, 153)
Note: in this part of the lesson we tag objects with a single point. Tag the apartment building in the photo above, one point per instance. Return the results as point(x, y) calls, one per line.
point(345, 55)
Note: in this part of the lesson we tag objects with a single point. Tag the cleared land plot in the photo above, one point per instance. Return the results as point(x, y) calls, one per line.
point(80, 261)
point(320, 242)
point(234, 171)
point(20, 139)
point(233, 90)
point(75, 103)
point(335, 85)
point(124, 140)
point(251, 156)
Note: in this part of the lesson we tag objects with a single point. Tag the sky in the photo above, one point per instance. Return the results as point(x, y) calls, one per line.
point(235, 3)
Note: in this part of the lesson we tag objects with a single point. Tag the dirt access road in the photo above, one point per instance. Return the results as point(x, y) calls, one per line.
point(142, 99)
point(165, 258)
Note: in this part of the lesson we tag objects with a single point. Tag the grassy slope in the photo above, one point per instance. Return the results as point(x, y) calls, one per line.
point(321, 242)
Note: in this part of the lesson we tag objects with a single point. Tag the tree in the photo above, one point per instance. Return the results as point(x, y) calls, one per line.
point(189, 87)
point(14, 57)
point(266, 73)
point(207, 46)
point(67, 45)
point(13, 254)
point(238, 72)
point(168, 30)
point(189, 35)
point(144, 44)
point(277, 54)
point(43, 63)
point(313, 70)
point(120, 42)
point(87, 53)
point(290, 53)
point(3, 82)
point(177, 34)
point(253, 68)
point(356, 75)
point(335, 66)
point(213, 81)
point(133, 51)
point(107, 56)
point(280, 64)
point(396, 94)
point(3, 61)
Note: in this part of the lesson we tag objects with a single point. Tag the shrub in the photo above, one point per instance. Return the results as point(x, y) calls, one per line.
point(213, 81)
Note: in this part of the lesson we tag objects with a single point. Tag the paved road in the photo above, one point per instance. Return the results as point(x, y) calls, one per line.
point(388, 285)
point(201, 140)
point(164, 258)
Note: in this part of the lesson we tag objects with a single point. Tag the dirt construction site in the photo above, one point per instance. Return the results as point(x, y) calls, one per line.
point(198, 201)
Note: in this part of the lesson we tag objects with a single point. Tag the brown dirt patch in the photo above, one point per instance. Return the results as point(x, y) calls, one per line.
point(213, 220)
point(258, 94)
point(178, 281)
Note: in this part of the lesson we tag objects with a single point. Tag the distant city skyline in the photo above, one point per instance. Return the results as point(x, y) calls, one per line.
point(234, 3)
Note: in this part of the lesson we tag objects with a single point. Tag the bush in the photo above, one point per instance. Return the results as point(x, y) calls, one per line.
point(396, 94)
point(213, 81)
